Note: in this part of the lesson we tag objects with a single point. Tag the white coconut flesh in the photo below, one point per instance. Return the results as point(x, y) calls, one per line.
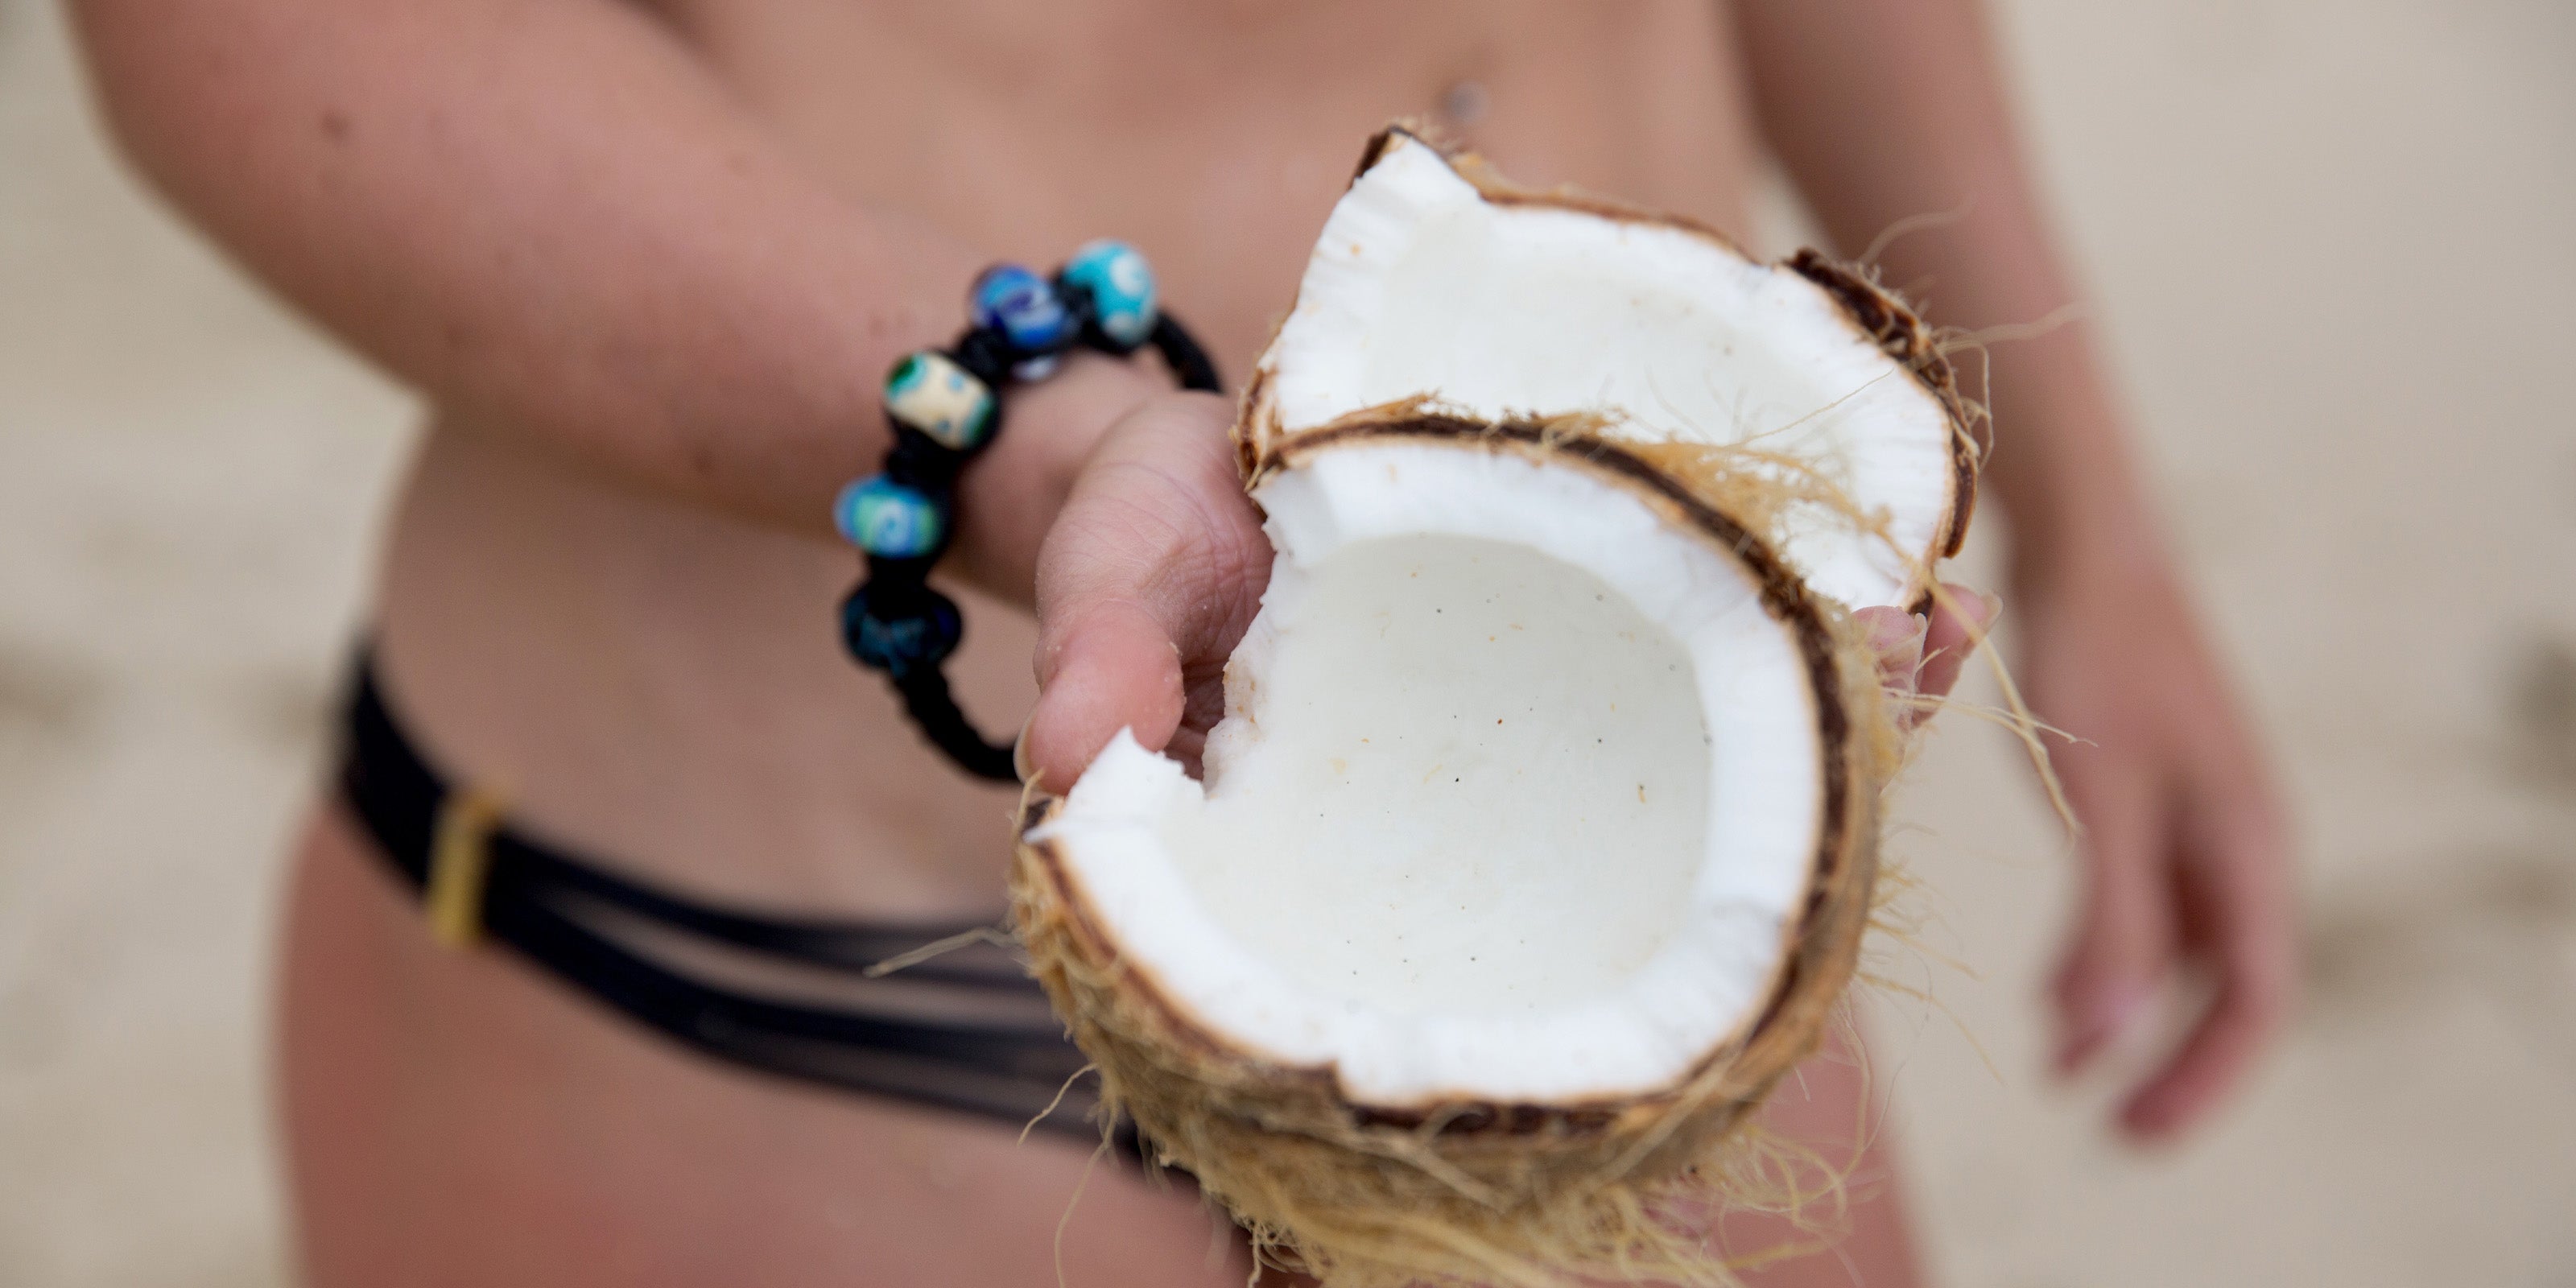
point(1421, 284)
point(1519, 790)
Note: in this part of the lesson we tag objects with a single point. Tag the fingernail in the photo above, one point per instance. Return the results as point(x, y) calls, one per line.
point(1889, 629)
point(1994, 608)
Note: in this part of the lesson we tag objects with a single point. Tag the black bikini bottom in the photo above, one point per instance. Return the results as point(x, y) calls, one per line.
point(964, 1029)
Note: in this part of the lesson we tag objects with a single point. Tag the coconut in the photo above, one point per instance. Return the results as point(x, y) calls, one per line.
point(1435, 275)
point(1539, 836)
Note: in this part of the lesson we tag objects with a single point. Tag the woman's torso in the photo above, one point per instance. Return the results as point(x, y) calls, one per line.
point(664, 686)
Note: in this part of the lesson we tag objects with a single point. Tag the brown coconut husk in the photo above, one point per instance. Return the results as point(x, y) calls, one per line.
point(1473, 1191)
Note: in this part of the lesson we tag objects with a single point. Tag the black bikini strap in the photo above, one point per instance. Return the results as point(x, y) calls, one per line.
point(996, 1051)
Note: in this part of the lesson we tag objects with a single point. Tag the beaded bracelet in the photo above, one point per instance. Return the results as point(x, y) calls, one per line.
point(944, 406)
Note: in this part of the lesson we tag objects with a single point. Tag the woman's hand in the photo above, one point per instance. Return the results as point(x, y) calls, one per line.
point(2187, 867)
point(1144, 585)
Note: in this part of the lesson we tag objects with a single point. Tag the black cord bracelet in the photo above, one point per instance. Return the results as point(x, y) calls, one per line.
point(944, 406)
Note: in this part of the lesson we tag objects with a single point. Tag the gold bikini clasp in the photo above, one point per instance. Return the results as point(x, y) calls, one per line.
point(460, 861)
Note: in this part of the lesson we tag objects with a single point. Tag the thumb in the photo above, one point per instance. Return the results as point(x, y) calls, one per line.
point(1144, 583)
point(1110, 667)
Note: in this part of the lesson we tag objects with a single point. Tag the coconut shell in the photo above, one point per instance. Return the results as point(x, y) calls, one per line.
point(1875, 314)
point(1471, 1190)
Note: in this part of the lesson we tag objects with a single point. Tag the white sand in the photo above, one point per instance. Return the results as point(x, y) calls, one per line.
point(2332, 246)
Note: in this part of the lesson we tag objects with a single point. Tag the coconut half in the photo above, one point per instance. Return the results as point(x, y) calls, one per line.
point(1436, 277)
point(1539, 835)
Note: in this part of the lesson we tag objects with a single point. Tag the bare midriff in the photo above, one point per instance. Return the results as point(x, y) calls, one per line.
point(662, 686)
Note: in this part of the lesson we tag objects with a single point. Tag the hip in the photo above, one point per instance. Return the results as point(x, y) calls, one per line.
point(453, 1117)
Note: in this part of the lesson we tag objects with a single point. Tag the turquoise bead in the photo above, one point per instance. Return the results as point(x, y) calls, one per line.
point(931, 393)
point(887, 519)
point(1121, 285)
point(1023, 307)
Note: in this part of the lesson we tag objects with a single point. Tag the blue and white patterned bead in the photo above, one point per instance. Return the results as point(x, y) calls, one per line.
point(931, 393)
point(887, 519)
point(1023, 307)
point(1121, 285)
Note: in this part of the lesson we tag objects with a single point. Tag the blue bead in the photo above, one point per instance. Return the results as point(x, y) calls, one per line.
point(899, 642)
point(1121, 286)
point(887, 519)
point(931, 393)
point(1023, 307)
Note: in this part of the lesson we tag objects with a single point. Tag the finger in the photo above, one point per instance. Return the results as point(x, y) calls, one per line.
point(1960, 619)
point(1114, 668)
point(1156, 560)
point(2235, 889)
point(2123, 934)
point(2220, 1048)
point(1896, 636)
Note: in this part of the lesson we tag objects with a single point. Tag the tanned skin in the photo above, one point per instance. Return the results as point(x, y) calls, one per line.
point(648, 265)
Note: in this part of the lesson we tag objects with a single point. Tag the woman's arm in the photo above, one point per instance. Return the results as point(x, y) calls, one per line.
point(1888, 109)
point(547, 216)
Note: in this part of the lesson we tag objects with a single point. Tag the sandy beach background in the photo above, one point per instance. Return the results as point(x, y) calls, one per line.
point(2333, 244)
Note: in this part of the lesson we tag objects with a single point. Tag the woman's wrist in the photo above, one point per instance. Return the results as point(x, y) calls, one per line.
point(944, 406)
point(2076, 508)
point(2078, 537)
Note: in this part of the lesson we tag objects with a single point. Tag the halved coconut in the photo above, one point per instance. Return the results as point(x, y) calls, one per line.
point(1539, 835)
point(1436, 277)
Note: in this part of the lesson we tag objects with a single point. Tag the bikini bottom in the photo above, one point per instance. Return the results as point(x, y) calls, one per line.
point(958, 1026)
